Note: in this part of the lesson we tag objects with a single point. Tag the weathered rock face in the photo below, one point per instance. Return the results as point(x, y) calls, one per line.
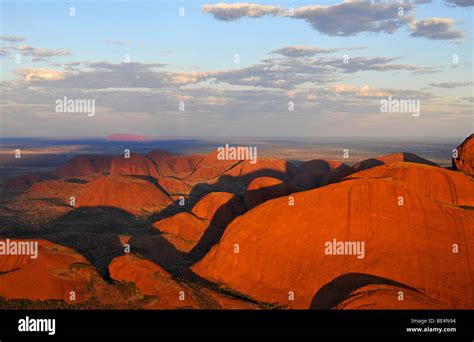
point(56, 272)
point(434, 182)
point(391, 158)
point(319, 172)
point(133, 195)
point(83, 165)
point(151, 280)
point(183, 230)
point(179, 167)
point(465, 160)
point(25, 181)
point(219, 208)
point(263, 189)
point(275, 168)
point(174, 186)
point(45, 200)
point(58, 189)
point(157, 155)
point(284, 248)
point(211, 167)
point(136, 165)
point(386, 297)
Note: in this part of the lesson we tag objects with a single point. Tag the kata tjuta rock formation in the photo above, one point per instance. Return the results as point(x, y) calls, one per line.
point(263, 189)
point(151, 280)
point(465, 160)
point(210, 167)
point(219, 208)
point(23, 182)
point(175, 186)
point(433, 182)
point(265, 167)
point(391, 158)
point(85, 165)
point(45, 200)
point(319, 172)
point(185, 230)
point(386, 297)
point(409, 238)
point(53, 274)
point(133, 195)
point(179, 166)
point(135, 165)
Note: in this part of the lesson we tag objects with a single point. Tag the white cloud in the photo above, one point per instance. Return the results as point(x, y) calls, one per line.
point(436, 28)
point(235, 11)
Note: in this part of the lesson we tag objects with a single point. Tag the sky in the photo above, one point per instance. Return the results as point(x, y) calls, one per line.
point(263, 69)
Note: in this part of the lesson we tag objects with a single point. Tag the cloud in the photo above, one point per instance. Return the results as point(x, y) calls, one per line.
point(436, 28)
point(235, 11)
point(450, 85)
point(303, 51)
point(460, 3)
point(115, 42)
point(468, 99)
point(351, 18)
point(189, 77)
point(12, 39)
point(345, 19)
point(356, 64)
point(363, 91)
point(37, 54)
point(36, 74)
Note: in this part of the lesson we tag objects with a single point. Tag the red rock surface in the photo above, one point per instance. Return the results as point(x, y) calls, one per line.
point(54, 189)
point(85, 165)
point(319, 172)
point(179, 167)
point(391, 158)
point(136, 165)
point(133, 195)
point(175, 186)
point(25, 181)
point(434, 182)
point(183, 230)
point(57, 271)
point(465, 160)
point(263, 189)
point(219, 208)
point(210, 167)
point(151, 280)
point(375, 297)
point(265, 167)
point(282, 247)
point(157, 155)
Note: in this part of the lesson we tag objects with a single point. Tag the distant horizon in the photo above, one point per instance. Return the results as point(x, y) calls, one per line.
point(174, 137)
point(331, 68)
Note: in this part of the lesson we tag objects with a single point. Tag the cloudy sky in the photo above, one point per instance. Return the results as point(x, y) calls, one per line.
point(236, 67)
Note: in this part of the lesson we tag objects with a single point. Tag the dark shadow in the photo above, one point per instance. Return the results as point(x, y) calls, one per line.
point(318, 172)
point(406, 157)
point(340, 288)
